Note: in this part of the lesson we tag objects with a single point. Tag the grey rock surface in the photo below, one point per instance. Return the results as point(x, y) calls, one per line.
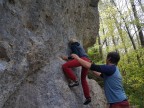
point(33, 34)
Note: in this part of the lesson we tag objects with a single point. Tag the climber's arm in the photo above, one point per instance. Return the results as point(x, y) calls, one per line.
point(86, 64)
point(81, 61)
point(104, 69)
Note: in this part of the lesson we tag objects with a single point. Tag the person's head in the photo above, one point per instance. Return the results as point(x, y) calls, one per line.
point(72, 40)
point(113, 58)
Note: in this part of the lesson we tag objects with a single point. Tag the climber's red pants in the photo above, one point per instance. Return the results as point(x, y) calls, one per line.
point(69, 73)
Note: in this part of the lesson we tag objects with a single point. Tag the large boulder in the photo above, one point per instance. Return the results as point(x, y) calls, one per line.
point(33, 34)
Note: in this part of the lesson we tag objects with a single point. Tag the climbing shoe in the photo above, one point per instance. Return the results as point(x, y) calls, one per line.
point(73, 83)
point(87, 101)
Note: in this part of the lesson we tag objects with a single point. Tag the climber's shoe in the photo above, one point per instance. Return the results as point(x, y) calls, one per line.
point(73, 83)
point(87, 101)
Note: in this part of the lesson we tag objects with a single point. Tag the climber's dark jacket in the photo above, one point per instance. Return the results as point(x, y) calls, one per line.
point(76, 48)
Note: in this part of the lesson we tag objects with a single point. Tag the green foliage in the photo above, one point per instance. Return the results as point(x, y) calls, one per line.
point(94, 54)
point(133, 75)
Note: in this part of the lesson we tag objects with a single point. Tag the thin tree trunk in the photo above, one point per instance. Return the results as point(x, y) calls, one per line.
point(127, 28)
point(100, 44)
point(141, 36)
point(135, 29)
point(118, 26)
point(113, 40)
point(140, 3)
point(105, 40)
point(100, 47)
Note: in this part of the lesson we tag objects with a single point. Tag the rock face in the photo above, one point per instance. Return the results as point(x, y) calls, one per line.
point(33, 34)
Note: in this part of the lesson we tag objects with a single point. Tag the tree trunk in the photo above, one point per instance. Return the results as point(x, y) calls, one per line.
point(140, 3)
point(127, 28)
point(135, 28)
point(118, 26)
point(141, 36)
point(100, 47)
point(105, 40)
point(114, 42)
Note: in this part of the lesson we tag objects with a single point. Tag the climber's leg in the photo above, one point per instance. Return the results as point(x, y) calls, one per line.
point(67, 68)
point(85, 84)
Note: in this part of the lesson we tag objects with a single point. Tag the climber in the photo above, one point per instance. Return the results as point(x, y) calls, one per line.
point(76, 48)
point(113, 87)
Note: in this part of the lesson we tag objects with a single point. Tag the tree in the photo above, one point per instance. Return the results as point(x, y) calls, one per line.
point(141, 36)
point(140, 3)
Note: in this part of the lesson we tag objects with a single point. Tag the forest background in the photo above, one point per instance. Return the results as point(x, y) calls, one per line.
point(122, 30)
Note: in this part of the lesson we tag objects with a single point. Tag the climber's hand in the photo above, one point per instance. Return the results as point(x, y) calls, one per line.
point(74, 56)
point(64, 57)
